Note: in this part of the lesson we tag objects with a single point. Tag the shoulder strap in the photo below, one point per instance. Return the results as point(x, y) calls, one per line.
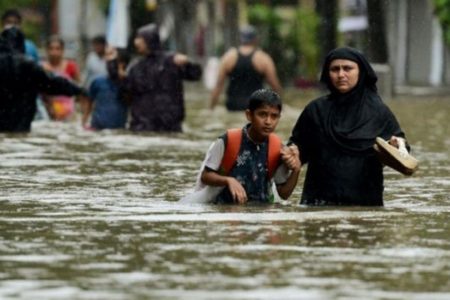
point(232, 147)
point(273, 154)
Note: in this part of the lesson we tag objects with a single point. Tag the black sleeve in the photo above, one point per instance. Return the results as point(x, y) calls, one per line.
point(191, 71)
point(52, 85)
point(392, 127)
point(301, 136)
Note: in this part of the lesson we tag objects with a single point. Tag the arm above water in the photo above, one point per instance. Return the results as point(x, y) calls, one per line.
point(292, 166)
point(226, 65)
point(269, 70)
point(50, 84)
point(189, 70)
point(212, 178)
point(210, 175)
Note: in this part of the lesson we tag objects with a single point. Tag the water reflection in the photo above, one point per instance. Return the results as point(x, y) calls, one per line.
point(94, 215)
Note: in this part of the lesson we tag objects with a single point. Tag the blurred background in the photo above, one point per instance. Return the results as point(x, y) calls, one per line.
point(407, 40)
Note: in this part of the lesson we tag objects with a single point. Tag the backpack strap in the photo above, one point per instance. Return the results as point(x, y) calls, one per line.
point(232, 147)
point(273, 154)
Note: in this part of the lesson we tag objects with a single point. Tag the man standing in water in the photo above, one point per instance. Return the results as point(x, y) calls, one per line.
point(247, 67)
point(20, 81)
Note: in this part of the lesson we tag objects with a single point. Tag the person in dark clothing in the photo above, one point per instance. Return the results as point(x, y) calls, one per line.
point(20, 81)
point(155, 84)
point(246, 67)
point(336, 133)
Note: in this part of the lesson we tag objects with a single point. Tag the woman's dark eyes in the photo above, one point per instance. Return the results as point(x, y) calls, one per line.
point(336, 69)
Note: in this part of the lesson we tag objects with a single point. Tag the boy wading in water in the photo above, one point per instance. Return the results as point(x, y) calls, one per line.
point(245, 162)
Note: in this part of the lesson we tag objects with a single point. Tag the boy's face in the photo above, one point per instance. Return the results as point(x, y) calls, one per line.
point(263, 120)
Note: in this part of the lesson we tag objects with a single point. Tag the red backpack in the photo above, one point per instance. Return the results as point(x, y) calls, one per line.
point(233, 145)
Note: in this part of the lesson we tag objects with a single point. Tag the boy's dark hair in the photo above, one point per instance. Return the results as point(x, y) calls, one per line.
point(99, 39)
point(11, 13)
point(264, 97)
point(123, 56)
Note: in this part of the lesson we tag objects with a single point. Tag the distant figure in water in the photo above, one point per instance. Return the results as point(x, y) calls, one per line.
point(20, 81)
point(155, 84)
point(247, 67)
point(336, 133)
point(95, 64)
point(108, 106)
point(61, 107)
point(242, 164)
point(13, 18)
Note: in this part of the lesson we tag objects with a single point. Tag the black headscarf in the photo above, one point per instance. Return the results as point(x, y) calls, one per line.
point(150, 34)
point(357, 117)
point(13, 40)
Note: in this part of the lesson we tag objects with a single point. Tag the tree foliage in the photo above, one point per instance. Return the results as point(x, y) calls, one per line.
point(442, 10)
point(295, 51)
point(34, 25)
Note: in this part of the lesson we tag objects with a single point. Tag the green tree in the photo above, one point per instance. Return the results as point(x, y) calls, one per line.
point(34, 27)
point(295, 52)
point(442, 10)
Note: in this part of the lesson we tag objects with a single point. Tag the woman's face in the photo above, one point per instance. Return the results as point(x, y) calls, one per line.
point(55, 51)
point(344, 74)
point(140, 45)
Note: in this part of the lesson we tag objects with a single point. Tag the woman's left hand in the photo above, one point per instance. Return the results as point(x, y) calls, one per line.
point(291, 157)
point(394, 141)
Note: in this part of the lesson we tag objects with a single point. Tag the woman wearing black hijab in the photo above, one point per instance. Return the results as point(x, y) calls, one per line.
point(21, 79)
point(336, 133)
point(155, 84)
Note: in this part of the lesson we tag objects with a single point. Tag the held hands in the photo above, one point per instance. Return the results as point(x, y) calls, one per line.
point(290, 156)
point(237, 190)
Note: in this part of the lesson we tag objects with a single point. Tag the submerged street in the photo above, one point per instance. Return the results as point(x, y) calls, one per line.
point(94, 215)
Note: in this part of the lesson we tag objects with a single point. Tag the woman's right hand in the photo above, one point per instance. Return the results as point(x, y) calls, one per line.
point(237, 190)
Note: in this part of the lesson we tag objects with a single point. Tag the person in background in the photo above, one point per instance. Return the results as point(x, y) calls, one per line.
point(13, 18)
point(96, 61)
point(20, 81)
point(247, 67)
point(60, 108)
point(335, 134)
point(155, 84)
point(108, 108)
point(242, 164)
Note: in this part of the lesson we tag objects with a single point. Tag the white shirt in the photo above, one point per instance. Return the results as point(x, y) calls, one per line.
point(213, 159)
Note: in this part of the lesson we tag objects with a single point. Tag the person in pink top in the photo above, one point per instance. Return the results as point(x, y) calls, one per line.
point(60, 108)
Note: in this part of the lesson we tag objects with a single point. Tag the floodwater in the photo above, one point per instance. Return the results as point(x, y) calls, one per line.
point(88, 215)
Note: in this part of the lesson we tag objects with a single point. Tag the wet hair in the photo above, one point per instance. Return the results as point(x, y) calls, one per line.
point(11, 13)
point(247, 34)
point(263, 97)
point(99, 39)
point(55, 39)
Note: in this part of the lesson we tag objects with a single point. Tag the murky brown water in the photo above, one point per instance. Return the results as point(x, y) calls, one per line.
point(95, 216)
